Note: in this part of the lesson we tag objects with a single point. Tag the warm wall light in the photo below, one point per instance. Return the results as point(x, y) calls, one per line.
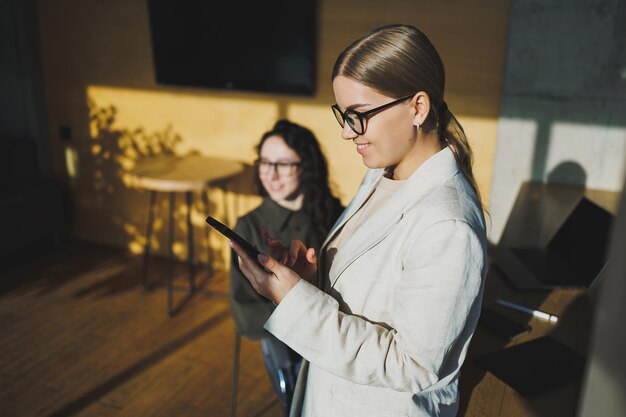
point(212, 125)
point(71, 162)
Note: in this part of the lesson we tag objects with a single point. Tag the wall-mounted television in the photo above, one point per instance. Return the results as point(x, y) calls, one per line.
point(262, 46)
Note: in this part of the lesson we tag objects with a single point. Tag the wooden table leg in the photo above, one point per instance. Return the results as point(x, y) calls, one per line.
point(209, 258)
point(190, 255)
point(146, 251)
point(170, 274)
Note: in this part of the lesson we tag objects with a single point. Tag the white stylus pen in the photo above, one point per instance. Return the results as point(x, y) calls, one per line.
point(536, 313)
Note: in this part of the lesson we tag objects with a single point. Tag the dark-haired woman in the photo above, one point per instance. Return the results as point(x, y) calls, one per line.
point(292, 177)
point(400, 278)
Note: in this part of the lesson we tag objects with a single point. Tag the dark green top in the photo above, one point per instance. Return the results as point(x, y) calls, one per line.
point(250, 309)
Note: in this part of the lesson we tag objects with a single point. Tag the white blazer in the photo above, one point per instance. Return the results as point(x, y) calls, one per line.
point(405, 296)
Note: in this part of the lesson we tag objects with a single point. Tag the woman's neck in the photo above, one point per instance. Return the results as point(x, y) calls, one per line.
point(293, 205)
point(427, 145)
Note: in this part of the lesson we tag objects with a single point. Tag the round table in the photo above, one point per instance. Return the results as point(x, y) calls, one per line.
point(178, 174)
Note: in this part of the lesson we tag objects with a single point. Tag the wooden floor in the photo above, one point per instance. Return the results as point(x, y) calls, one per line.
point(81, 337)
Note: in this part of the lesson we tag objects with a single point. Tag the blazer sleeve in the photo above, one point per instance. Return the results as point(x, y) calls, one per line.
point(434, 314)
point(250, 310)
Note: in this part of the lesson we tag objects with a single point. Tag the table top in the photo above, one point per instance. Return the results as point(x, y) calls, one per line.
point(181, 173)
point(538, 211)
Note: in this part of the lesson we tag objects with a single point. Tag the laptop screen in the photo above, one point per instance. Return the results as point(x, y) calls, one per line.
point(582, 239)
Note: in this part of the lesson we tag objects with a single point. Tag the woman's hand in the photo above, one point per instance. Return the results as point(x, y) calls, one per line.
point(297, 256)
point(303, 260)
point(275, 247)
point(273, 282)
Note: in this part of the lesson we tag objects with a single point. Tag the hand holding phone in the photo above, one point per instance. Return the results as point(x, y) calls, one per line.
point(276, 280)
point(230, 234)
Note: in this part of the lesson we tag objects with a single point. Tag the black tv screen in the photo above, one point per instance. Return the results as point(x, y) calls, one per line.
point(263, 46)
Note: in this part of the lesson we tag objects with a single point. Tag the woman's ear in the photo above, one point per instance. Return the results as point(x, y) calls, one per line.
point(421, 103)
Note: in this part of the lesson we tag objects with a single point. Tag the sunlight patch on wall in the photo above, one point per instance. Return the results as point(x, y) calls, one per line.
point(600, 151)
point(481, 134)
point(215, 126)
point(514, 155)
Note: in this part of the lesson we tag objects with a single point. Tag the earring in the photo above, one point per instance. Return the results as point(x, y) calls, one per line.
point(418, 129)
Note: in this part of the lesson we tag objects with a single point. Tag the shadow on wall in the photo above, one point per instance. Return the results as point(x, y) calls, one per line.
point(111, 155)
point(568, 173)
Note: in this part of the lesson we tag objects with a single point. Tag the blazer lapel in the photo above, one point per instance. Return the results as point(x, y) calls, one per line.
point(365, 190)
point(372, 231)
point(431, 174)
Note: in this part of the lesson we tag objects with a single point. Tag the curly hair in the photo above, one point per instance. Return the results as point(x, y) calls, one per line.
point(319, 203)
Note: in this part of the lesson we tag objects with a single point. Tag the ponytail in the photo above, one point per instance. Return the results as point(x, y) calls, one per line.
point(452, 135)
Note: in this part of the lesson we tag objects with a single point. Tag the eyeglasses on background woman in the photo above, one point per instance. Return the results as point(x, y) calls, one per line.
point(284, 169)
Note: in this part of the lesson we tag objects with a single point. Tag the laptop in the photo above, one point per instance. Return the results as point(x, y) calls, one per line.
point(573, 258)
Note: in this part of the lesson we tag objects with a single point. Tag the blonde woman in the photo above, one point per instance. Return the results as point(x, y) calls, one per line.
point(385, 318)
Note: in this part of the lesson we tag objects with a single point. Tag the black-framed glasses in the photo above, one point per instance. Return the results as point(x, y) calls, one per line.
point(358, 120)
point(283, 169)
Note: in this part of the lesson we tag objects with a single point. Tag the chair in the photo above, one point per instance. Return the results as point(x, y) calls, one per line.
point(284, 384)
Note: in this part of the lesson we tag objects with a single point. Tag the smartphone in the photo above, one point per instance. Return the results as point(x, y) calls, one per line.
point(500, 325)
point(229, 233)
